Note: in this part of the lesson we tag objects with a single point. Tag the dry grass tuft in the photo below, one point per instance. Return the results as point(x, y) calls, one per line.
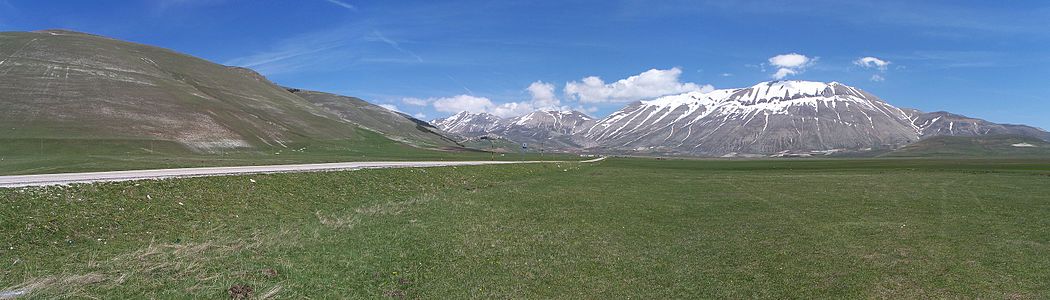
point(66, 283)
point(381, 209)
point(157, 264)
point(271, 292)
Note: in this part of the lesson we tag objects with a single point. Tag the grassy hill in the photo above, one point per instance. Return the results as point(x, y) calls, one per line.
point(975, 146)
point(618, 229)
point(72, 101)
point(68, 85)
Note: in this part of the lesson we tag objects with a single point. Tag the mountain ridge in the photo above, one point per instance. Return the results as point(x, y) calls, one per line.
point(553, 128)
point(767, 118)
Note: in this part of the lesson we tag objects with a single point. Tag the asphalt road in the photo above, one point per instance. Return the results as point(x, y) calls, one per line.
point(68, 178)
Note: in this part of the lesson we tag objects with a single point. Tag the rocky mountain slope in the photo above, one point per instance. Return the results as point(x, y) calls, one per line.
point(546, 129)
point(468, 124)
point(948, 124)
point(766, 118)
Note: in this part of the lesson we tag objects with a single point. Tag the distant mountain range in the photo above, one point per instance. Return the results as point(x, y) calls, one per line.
point(544, 129)
point(767, 118)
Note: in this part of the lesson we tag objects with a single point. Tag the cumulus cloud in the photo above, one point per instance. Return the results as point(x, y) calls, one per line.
point(468, 103)
point(512, 109)
point(790, 64)
point(649, 84)
point(783, 72)
point(871, 62)
point(792, 60)
point(541, 93)
point(877, 78)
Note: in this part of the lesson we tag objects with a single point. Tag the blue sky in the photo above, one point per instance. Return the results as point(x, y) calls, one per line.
point(986, 59)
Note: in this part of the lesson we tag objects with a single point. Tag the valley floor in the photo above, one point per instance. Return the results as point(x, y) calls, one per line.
point(49, 156)
point(620, 228)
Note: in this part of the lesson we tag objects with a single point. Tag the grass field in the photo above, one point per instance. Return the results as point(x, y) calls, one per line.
point(621, 228)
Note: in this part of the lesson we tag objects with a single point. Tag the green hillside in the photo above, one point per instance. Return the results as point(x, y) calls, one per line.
point(78, 102)
point(394, 125)
point(975, 146)
point(63, 85)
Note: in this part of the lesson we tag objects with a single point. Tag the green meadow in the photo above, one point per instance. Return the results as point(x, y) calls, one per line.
point(619, 228)
point(20, 156)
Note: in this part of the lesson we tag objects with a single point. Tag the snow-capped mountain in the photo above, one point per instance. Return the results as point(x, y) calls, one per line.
point(564, 122)
point(769, 117)
point(552, 129)
point(469, 124)
point(765, 118)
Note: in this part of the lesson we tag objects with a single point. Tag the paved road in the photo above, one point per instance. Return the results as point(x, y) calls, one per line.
point(67, 178)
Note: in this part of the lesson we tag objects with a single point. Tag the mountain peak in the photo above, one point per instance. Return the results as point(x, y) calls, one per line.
point(562, 113)
point(552, 118)
point(798, 86)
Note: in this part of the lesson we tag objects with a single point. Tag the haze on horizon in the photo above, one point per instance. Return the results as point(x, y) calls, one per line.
point(431, 60)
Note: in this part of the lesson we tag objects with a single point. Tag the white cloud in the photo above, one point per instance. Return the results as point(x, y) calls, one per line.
point(420, 115)
point(390, 107)
point(512, 109)
point(460, 103)
point(543, 95)
point(727, 74)
point(783, 72)
point(792, 60)
point(542, 98)
point(649, 84)
point(416, 101)
point(790, 64)
point(872, 62)
point(343, 4)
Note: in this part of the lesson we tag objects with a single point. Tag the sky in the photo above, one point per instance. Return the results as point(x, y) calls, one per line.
point(985, 59)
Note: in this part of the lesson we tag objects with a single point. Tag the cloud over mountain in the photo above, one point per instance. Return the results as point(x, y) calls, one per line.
point(790, 64)
point(541, 93)
point(647, 85)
